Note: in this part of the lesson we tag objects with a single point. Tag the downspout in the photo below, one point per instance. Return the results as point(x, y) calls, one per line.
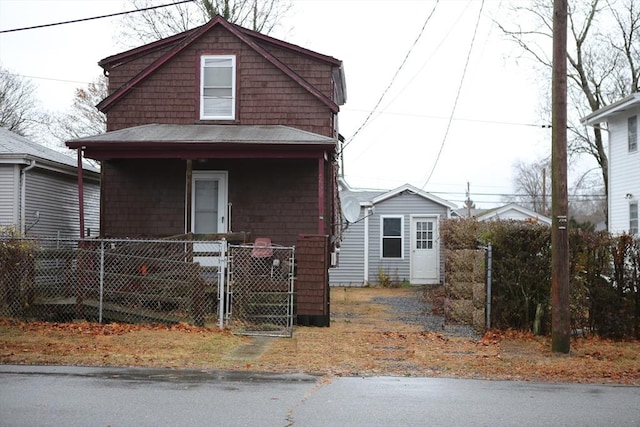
point(23, 196)
point(321, 195)
point(80, 194)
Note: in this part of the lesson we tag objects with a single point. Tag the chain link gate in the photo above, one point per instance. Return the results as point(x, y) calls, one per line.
point(259, 292)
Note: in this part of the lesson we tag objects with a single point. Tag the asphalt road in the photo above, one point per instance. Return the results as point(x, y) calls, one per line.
point(78, 396)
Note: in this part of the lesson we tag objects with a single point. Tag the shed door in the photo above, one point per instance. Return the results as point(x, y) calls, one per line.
point(425, 267)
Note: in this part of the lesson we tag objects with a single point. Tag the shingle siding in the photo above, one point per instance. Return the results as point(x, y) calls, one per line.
point(265, 95)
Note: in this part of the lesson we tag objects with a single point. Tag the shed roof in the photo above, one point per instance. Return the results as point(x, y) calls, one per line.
point(414, 190)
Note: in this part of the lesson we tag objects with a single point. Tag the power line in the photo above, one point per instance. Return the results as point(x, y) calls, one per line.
point(34, 27)
point(455, 103)
point(404, 61)
point(458, 119)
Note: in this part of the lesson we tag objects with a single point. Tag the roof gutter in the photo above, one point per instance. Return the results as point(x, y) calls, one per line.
point(23, 196)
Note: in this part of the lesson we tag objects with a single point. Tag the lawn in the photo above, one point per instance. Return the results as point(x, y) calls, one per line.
point(365, 338)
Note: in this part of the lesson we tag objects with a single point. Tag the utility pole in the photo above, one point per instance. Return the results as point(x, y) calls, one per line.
point(560, 321)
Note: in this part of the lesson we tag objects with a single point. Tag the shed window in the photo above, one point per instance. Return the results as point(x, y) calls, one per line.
point(392, 237)
point(632, 126)
point(633, 218)
point(218, 87)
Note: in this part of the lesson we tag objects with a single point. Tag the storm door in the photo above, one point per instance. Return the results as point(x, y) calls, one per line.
point(209, 202)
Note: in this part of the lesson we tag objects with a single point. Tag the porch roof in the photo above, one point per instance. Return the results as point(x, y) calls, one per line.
point(193, 141)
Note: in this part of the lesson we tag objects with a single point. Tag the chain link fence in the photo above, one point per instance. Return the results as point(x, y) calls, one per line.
point(260, 289)
point(147, 281)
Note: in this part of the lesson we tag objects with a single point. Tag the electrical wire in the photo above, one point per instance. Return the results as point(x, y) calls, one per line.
point(393, 79)
point(455, 103)
point(34, 27)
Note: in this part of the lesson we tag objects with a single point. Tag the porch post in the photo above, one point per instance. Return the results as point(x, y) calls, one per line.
point(80, 193)
point(321, 229)
point(188, 189)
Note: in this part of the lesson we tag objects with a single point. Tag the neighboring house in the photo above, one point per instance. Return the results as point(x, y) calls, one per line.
point(395, 237)
point(38, 190)
point(216, 130)
point(513, 212)
point(621, 120)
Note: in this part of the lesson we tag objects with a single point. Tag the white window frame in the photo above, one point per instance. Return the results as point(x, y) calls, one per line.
point(633, 219)
point(232, 108)
point(632, 133)
point(382, 236)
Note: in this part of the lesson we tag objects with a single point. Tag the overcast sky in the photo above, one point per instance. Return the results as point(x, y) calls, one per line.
point(452, 114)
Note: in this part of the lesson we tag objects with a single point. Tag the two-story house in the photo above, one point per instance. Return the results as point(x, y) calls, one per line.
point(219, 129)
point(621, 120)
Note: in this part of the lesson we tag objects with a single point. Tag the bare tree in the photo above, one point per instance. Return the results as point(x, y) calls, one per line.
point(532, 185)
point(603, 59)
point(84, 118)
point(19, 109)
point(154, 24)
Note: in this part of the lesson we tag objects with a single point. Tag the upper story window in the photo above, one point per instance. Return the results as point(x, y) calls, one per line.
point(218, 87)
point(392, 237)
point(633, 218)
point(632, 127)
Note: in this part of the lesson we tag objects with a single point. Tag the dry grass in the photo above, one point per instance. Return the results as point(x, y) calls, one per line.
point(364, 339)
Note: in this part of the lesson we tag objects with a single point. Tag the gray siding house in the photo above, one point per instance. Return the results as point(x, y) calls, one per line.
point(396, 237)
point(39, 190)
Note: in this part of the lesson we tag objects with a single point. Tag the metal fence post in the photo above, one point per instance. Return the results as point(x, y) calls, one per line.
point(489, 258)
point(222, 271)
point(101, 295)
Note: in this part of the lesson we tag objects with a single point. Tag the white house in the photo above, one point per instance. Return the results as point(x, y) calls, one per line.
point(39, 190)
point(621, 120)
point(513, 212)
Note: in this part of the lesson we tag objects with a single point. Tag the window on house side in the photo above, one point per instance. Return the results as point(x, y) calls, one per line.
point(392, 237)
point(633, 218)
point(218, 87)
point(632, 126)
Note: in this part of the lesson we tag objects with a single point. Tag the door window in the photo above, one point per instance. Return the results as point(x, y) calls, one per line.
point(209, 202)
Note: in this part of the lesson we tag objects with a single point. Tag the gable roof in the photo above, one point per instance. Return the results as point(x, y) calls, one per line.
point(413, 190)
point(601, 115)
point(183, 40)
point(508, 211)
point(15, 148)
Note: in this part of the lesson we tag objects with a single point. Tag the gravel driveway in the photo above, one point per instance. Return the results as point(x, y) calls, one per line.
point(417, 311)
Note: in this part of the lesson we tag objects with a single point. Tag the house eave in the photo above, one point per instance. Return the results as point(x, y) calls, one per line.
point(604, 113)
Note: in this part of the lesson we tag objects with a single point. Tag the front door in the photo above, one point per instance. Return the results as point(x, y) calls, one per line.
point(209, 202)
point(425, 268)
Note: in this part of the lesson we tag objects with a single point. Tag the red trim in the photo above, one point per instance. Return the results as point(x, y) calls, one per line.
point(321, 196)
point(200, 154)
point(80, 194)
